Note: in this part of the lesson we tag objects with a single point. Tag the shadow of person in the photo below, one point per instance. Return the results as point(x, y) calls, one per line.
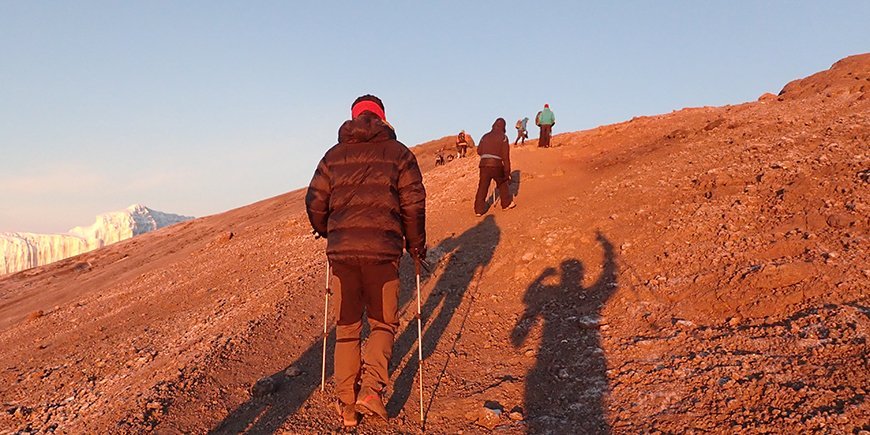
point(564, 391)
point(468, 253)
point(515, 183)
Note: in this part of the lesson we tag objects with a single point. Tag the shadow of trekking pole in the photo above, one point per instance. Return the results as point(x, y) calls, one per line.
point(468, 254)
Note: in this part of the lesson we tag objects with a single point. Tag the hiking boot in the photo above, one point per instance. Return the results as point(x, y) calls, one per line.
point(369, 402)
point(510, 206)
point(348, 413)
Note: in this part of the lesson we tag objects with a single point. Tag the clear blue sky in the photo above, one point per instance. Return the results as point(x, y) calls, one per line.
point(197, 107)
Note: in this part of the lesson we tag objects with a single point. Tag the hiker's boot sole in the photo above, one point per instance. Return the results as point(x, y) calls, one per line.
point(363, 409)
point(347, 423)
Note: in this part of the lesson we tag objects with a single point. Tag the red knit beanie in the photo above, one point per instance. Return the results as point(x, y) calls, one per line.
point(368, 103)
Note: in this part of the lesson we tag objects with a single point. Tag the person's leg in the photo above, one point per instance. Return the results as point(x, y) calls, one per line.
point(381, 293)
point(348, 304)
point(482, 190)
point(542, 138)
point(519, 135)
point(547, 131)
point(504, 191)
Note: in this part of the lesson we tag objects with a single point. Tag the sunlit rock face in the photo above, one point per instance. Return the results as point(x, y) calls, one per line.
point(19, 251)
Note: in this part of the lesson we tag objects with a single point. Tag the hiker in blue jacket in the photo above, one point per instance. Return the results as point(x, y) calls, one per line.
point(545, 120)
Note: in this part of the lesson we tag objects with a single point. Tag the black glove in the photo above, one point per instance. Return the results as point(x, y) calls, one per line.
point(419, 256)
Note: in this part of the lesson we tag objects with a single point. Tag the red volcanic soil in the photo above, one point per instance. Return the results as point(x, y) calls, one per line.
point(702, 270)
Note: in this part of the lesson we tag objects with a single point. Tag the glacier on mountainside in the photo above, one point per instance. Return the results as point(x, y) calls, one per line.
point(19, 251)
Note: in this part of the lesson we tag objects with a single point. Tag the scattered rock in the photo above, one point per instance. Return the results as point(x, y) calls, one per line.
point(839, 221)
point(264, 387)
point(767, 97)
point(292, 372)
point(589, 322)
point(684, 323)
point(713, 124)
point(735, 321)
point(516, 414)
point(488, 416)
point(783, 275)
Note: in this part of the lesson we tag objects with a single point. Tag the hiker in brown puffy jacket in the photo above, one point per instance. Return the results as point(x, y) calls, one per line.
point(495, 165)
point(367, 198)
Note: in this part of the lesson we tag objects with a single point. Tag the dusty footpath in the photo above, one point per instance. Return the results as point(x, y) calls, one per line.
point(704, 270)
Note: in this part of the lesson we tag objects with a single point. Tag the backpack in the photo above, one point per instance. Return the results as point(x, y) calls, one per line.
point(538, 119)
point(519, 125)
point(461, 138)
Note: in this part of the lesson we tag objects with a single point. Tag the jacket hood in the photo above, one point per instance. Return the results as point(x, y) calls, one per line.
point(499, 125)
point(365, 128)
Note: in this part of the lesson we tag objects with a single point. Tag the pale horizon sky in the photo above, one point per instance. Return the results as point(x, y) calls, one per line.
point(199, 107)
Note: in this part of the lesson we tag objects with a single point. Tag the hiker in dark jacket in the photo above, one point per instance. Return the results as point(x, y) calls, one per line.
point(495, 164)
point(367, 198)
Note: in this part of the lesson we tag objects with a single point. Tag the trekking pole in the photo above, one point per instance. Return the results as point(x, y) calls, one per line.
point(494, 188)
point(325, 315)
point(419, 340)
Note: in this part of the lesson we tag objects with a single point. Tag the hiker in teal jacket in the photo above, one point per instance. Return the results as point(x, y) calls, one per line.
point(545, 120)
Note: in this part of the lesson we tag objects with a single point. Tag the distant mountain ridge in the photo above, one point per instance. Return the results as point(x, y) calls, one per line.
point(20, 251)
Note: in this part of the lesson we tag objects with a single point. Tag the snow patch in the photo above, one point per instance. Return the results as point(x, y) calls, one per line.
point(19, 251)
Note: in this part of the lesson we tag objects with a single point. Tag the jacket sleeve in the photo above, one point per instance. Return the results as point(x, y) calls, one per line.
point(412, 200)
point(506, 156)
point(317, 199)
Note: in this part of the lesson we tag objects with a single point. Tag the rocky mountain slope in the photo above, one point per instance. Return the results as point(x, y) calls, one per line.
point(19, 251)
point(702, 270)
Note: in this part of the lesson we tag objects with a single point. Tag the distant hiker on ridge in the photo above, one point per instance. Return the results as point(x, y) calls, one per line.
point(367, 198)
point(495, 165)
point(522, 132)
point(461, 144)
point(546, 120)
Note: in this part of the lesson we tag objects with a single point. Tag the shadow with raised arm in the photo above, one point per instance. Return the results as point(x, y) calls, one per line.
point(566, 388)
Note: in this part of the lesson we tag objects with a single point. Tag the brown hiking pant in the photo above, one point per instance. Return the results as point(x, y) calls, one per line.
point(374, 287)
point(487, 175)
point(544, 141)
